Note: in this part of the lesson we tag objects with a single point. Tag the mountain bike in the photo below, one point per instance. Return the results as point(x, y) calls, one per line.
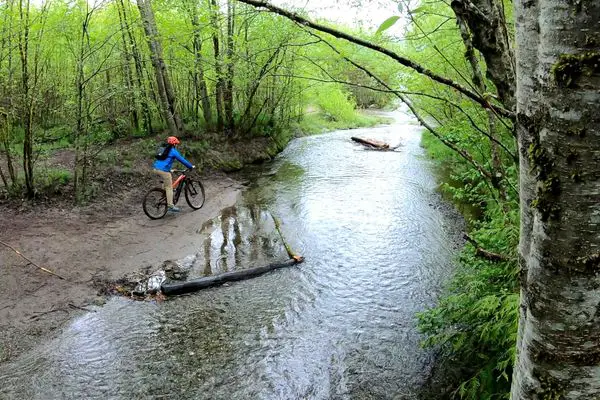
point(155, 201)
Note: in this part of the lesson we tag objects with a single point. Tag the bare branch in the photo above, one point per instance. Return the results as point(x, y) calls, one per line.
point(29, 261)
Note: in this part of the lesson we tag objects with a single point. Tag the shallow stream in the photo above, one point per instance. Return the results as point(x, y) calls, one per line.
point(378, 244)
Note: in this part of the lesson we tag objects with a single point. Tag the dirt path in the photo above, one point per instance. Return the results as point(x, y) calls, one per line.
point(100, 242)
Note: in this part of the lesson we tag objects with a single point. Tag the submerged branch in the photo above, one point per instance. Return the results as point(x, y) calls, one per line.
point(289, 250)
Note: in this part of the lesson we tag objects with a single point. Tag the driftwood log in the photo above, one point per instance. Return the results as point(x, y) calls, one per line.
point(193, 285)
point(371, 142)
point(374, 144)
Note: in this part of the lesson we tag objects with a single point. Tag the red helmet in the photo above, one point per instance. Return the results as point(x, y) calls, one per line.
point(172, 140)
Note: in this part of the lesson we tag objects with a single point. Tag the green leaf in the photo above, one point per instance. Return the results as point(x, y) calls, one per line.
point(418, 10)
point(387, 24)
point(400, 7)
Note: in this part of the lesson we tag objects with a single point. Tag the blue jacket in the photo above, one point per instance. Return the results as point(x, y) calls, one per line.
point(167, 163)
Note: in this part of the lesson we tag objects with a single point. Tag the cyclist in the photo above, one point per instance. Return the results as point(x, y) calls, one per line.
point(162, 167)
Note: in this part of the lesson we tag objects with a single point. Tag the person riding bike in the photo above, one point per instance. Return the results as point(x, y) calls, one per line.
point(162, 167)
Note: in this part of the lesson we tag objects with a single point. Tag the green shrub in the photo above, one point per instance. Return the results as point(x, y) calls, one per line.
point(475, 322)
point(336, 105)
point(53, 181)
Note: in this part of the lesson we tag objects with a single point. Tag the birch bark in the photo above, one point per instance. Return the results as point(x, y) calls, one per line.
point(558, 126)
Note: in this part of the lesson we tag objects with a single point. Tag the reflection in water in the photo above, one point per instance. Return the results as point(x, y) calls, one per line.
point(339, 326)
point(241, 237)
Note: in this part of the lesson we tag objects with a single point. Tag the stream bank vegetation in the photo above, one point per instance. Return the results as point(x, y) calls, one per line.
point(89, 88)
point(474, 325)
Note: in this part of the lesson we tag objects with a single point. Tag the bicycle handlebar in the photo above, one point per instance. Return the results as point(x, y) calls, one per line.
point(182, 171)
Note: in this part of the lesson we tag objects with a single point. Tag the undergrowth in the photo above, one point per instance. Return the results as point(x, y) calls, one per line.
point(475, 323)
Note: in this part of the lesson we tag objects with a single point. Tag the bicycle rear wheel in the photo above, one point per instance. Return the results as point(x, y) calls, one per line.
point(194, 193)
point(155, 203)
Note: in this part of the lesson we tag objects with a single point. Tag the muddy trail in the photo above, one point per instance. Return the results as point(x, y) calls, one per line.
point(90, 247)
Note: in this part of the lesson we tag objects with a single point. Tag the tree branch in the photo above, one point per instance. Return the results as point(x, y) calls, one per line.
point(463, 153)
point(29, 261)
point(481, 252)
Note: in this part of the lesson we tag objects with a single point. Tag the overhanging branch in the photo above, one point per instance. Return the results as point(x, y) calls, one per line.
point(380, 49)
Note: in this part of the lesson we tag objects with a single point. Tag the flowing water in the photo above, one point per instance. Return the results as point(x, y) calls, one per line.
point(378, 244)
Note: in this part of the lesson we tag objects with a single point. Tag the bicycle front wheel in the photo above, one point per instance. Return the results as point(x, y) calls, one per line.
point(194, 193)
point(155, 203)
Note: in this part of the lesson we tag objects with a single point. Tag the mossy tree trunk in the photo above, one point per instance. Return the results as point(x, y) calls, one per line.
point(558, 99)
point(486, 19)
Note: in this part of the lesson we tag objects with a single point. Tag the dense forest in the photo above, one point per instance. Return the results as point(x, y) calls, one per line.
point(82, 76)
point(509, 103)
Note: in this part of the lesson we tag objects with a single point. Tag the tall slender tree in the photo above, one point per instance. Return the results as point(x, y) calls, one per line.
point(220, 84)
point(139, 66)
point(26, 96)
point(228, 86)
point(201, 98)
point(163, 82)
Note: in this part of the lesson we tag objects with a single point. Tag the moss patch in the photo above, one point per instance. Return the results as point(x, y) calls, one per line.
point(548, 182)
point(570, 67)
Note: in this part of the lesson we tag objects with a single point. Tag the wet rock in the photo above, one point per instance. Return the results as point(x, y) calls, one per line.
point(140, 289)
point(149, 284)
point(96, 301)
point(175, 272)
point(155, 281)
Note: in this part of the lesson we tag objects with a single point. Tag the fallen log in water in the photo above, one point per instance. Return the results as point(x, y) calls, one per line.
point(373, 144)
point(170, 289)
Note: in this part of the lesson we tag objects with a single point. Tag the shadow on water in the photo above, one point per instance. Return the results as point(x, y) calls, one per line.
point(378, 244)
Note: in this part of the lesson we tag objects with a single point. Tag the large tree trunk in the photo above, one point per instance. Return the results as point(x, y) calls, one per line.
point(481, 86)
point(486, 19)
point(165, 90)
point(558, 98)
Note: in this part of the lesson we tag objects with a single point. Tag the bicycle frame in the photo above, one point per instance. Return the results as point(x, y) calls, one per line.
point(178, 186)
point(156, 207)
point(178, 180)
